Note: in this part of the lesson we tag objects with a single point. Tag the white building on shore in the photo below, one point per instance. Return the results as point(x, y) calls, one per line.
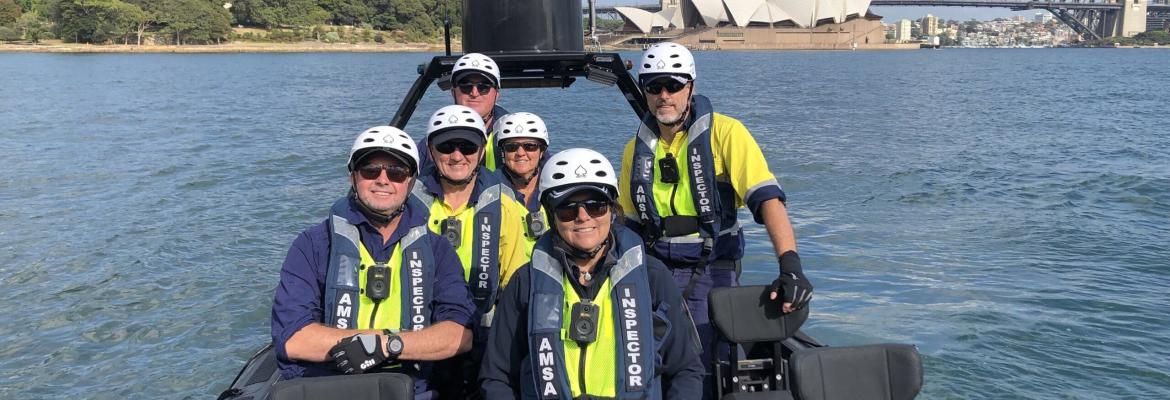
point(677, 14)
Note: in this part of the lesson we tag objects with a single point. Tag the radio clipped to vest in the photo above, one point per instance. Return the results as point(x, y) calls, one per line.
point(583, 322)
point(378, 282)
point(536, 225)
point(668, 167)
point(452, 229)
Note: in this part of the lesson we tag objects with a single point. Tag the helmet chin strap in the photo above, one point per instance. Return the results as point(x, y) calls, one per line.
point(575, 253)
point(520, 179)
point(378, 217)
point(460, 182)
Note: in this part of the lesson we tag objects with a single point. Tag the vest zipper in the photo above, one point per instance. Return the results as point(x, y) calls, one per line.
point(581, 371)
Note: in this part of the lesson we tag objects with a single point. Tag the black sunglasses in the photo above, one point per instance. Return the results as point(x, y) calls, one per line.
point(465, 147)
point(483, 87)
point(528, 146)
point(671, 85)
point(567, 211)
point(396, 173)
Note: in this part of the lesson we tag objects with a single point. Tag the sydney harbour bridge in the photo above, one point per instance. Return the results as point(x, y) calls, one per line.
point(1092, 19)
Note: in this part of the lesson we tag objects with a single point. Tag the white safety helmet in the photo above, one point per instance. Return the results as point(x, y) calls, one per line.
point(521, 125)
point(475, 62)
point(455, 117)
point(388, 139)
point(575, 169)
point(667, 58)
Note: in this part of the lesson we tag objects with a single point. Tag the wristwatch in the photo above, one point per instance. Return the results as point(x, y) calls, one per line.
point(393, 346)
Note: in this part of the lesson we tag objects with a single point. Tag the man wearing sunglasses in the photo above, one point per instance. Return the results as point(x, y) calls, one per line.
point(684, 176)
point(475, 83)
point(522, 139)
point(481, 218)
point(592, 316)
point(371, 289)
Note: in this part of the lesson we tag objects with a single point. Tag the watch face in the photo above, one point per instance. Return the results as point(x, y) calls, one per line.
point(396, 345)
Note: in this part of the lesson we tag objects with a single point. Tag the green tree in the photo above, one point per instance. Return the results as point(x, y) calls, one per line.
point(283, 13)
point(1151, 37)
point(194, 21)
point(9, 13)
point(34, 28)
point(28, 5)
point(96, 21)
point(348, 12)
point(9, 34)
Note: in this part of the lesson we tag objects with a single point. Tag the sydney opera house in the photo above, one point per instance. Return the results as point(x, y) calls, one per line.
point(737, 22)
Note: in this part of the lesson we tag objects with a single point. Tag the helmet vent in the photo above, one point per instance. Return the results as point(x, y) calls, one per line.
point(368, 140)
point(601, 174)
point(595, 161)
point(677, 65)
point(562, 162)
point(406, 145)
point(558, 175)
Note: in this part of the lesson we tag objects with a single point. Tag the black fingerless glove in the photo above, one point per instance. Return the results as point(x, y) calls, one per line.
point(792, 284)
point(358, 353)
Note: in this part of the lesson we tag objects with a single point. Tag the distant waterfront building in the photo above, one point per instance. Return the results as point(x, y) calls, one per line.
point(1043, 17)
point(929, 25)
point(677, 14)
point(904, 31)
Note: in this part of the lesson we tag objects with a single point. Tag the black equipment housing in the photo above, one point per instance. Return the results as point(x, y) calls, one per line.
point(378, 282)
point(493, 26)
point(583, 322)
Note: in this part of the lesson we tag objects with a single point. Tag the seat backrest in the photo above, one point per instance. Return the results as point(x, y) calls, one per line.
point(744, 314)
point(870, 372)
point(350, 387)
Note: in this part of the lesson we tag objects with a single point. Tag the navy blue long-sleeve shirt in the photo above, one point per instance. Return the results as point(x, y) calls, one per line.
point(300, 295)
point(507, 346)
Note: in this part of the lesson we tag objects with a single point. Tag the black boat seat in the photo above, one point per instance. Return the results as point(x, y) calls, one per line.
point(782, 363)
point(744, 314)
point(380, 386)
point(879, 372)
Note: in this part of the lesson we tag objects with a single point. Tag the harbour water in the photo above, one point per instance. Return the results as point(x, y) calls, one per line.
point(1006, 210)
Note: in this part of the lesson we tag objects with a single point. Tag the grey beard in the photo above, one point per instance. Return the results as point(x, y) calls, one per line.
point(677, 120)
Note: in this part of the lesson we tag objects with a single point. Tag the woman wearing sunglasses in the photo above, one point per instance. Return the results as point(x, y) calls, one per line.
point(522, 139)
point(479, 216)
point(592, 315)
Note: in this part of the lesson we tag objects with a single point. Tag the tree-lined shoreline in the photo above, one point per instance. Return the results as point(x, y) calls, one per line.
point(215, 22)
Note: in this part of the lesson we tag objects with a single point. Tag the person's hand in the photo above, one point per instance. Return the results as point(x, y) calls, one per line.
point(792, 286)
point(358, 353)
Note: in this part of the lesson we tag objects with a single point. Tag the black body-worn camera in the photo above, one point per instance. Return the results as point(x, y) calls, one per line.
point(668, 169)
point(583, 324)
point(536, 225)
point(378, 282)
point(453, 230)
